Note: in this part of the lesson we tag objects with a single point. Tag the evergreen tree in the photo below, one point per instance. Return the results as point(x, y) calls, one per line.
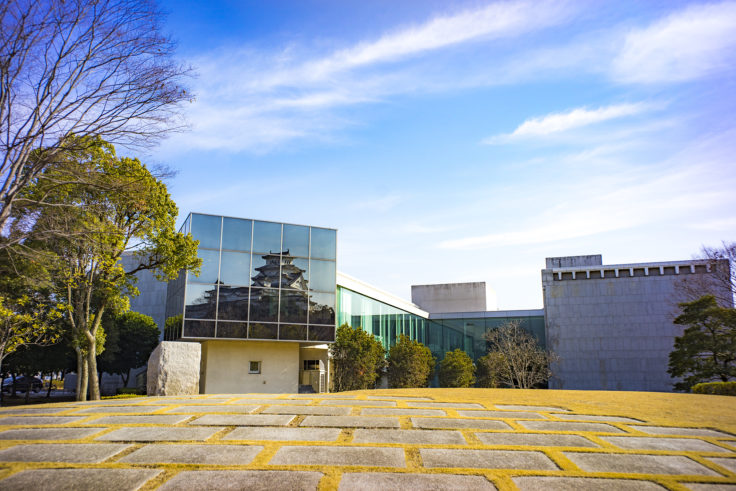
point(358, 358)
point(410, 364)
point(706, 350)
point(456, 370)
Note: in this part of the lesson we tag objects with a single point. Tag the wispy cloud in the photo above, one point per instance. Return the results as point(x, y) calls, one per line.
point(561, 122)
point(685, 45)
point(255, 100)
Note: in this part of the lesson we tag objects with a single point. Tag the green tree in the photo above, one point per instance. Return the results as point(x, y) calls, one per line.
point(131, 337)
point(456, 370)
point(28, 316)
point(491, 370)
point(118, 208)
point(358, 358)
point(518, 360)
point(410, 364)
point(706, 350)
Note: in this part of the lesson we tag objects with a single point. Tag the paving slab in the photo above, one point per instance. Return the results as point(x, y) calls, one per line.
point(652, 443)
point(440, 405)
point(49, 433)
point(261, 402)
point(284, 434)
point(671, 430)
point(701, 486)
point(569, 426)
point(61, 452)
point(153, 419)
point(120, 409)
point(341, 402)
point(501, 414)
point(240, 480)
point(480, 424)
point(39, 420)
point(351, 422)
point(390, 411)
point(34, 410)
point(535, 483)
point(114, 402)
point(194, 454)
point(401, 398)
point(486, 459)
point(729, 464)
point(535, 440)
point(322, 455)
point(322, 395)
point(318, 410)
point(411, 437)
point(225, 408)
point(79, 479)
point(638, 464)
point(159, 434)
point(369, 481)
point(592, 417)
point(187, 401)
point(517, 407)
point(243, 420)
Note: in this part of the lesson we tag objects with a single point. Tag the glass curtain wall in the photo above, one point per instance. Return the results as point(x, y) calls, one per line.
point(258, 280)
point(439, 335)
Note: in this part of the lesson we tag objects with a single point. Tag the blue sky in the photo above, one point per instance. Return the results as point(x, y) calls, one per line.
point(464, 141)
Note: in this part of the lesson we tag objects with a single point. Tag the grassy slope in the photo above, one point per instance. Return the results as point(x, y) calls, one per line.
point(696, 410)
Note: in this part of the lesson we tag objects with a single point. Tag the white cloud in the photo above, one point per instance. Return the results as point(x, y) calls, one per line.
point(561, 122)
point(685, 45)
point(253, 100)
point(496, 20)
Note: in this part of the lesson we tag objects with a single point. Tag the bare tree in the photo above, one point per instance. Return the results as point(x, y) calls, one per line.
point(515, 357)
point(81, 68)
point(719, 280)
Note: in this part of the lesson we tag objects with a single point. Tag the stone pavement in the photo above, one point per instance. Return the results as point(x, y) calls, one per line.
point(350, 442)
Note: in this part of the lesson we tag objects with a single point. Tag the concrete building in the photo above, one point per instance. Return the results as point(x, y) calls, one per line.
point(269, 298)
point(611, 325)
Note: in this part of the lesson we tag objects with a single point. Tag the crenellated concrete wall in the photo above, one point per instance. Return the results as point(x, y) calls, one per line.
point(612, 326)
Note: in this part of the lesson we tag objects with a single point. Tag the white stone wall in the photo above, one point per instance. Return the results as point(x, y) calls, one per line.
point(613, 333)
point(225, 367)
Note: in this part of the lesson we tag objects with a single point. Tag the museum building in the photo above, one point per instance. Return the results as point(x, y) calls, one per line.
point(269, 297)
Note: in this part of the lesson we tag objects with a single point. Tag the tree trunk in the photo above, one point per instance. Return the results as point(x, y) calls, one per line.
point(13, 375)
point(29, 386)
point(82, 378)
point(125, 376)
point(94, 383)
point(51, 384)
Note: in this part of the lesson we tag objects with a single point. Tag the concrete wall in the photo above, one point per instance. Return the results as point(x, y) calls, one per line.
point(574, 261)
point(450, 297)
point(225, 367)
point(612, 325)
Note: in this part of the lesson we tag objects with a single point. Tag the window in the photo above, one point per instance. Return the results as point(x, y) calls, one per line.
point(311, 364)
point(255, 367)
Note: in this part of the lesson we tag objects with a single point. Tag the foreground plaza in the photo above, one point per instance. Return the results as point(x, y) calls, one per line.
point(423, 439)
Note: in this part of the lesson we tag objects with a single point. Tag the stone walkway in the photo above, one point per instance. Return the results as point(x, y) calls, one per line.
point(349, 442)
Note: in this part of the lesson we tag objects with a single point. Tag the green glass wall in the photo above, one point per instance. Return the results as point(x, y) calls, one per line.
point(387, 322)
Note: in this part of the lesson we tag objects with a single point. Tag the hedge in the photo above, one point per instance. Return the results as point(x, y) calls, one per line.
point(718, 388)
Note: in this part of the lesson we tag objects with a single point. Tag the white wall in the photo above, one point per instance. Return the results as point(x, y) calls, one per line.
point(225, 367)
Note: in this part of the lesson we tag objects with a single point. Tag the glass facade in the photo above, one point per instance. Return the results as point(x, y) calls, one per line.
point(258, 280)
point(439, 335)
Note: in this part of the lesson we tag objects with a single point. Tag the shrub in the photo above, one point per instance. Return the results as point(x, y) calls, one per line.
point(358, 358)
point(717, 388)
point(410, 364)
point(456, 370)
